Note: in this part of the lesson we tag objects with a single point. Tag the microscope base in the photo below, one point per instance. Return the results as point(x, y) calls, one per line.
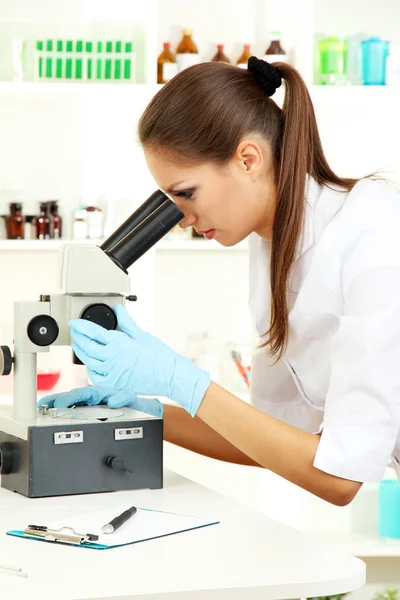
point(83, 457)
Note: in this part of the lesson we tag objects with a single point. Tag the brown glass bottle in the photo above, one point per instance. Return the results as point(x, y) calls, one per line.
point(275, 52)
point(186, 52)
point(43, 223)
point(166, 64)
point(56, 220)
point(244, 57)
point(15, 222)
point(219, 56)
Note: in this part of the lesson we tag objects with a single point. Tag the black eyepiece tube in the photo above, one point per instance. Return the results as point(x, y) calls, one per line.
point(145, 235)
point(154, 201)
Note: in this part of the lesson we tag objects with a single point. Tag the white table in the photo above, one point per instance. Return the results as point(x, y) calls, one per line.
point(246, 557)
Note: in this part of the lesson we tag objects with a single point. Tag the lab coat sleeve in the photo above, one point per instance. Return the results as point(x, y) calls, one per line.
point(362, 411)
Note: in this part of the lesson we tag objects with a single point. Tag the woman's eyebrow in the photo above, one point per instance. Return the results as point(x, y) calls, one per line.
point(171, 189)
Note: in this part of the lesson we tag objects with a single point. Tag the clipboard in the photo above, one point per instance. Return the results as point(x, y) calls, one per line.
point(145, 525)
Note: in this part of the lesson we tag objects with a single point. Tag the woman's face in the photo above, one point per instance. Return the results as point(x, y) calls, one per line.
point(225, 203)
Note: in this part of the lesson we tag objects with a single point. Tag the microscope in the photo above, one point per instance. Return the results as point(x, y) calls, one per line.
point(86, 449)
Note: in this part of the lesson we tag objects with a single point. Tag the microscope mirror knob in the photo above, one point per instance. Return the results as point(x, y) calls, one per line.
point(117, 463)
point(43, 330)
point(6, 458)
point(5, 360)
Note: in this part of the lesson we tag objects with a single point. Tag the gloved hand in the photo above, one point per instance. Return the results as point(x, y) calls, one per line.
point(133, 361)
point(93, 395)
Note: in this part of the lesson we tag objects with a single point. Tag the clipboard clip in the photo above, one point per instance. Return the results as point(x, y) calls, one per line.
point(64, 534)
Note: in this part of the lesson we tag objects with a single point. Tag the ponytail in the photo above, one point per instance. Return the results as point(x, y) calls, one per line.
point(301, 154)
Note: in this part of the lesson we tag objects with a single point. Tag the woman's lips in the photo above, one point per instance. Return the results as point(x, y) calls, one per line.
point(209, 234)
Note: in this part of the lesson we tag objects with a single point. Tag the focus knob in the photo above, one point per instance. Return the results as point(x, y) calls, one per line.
point(117, 463)
point(6, 458)
point(43, 330)
point(5, 360)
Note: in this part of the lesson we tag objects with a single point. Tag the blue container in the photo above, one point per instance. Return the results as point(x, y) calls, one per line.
point(389, 509)
point(374, 54)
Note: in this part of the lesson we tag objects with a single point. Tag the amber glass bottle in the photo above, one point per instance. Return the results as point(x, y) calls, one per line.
point(43, 223)
point(244, 57)
point(166, 64)
point(186, 52)
point(15, 222)
point(219, 56)
point(275, 52)
point(56, 220)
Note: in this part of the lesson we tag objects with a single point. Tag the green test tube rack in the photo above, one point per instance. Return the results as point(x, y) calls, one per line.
point(85, 60)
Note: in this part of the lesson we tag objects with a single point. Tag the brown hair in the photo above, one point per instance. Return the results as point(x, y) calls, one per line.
point(206, 110)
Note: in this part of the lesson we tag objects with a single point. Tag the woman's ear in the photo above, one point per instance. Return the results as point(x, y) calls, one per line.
point(250, 158)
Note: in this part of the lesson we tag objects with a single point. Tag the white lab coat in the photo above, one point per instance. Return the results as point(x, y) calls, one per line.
point(341, 371)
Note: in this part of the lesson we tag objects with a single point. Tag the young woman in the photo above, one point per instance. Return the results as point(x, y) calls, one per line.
point(324, 288)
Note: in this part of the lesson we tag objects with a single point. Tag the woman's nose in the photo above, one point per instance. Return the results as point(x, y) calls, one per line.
point(187, 221)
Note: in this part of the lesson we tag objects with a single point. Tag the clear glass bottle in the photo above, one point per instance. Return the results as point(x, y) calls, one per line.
point(79, 229)
point(94, 222)
point(220, 56)
point(186, 52)
point(244, 57)
point(166, 64)
point(43, 223)
point(275, 52)
point(15, 222)
point(56, 220)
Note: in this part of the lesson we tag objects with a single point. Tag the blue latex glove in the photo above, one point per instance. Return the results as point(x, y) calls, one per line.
point(92, 395)
point(133, 361)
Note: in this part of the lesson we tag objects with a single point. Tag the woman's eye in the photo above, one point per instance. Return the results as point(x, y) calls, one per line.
point(186, 194)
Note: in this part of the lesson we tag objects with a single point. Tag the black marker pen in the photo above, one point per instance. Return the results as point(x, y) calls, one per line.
point(118, 521)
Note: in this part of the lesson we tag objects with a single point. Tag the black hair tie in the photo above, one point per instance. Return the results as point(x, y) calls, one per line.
point(266, 74)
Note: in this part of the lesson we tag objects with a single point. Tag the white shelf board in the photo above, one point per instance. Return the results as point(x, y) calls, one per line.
point(41, 245)
point(364, 94)
point(186, 245)
point(74, 86)
point(362, 546)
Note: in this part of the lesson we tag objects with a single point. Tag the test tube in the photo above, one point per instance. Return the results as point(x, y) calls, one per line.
point(118, 50)
point(99, 61)
point(68, 60)
point(59, 60)
point(49, 59)
point(108, 60)
point(89, 61)
point(78, 59)
point(127, 61)
point(39, 59)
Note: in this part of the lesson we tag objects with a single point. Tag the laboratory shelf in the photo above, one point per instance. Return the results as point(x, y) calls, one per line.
point(75, 86)
point(362, 546)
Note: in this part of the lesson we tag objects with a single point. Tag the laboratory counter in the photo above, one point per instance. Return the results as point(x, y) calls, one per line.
point(247, 556)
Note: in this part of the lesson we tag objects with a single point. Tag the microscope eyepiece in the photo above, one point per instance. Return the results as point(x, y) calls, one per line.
point(146, 209)
point(141, 236)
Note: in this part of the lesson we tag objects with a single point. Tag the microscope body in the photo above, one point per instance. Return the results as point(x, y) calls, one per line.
point(62, 452)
